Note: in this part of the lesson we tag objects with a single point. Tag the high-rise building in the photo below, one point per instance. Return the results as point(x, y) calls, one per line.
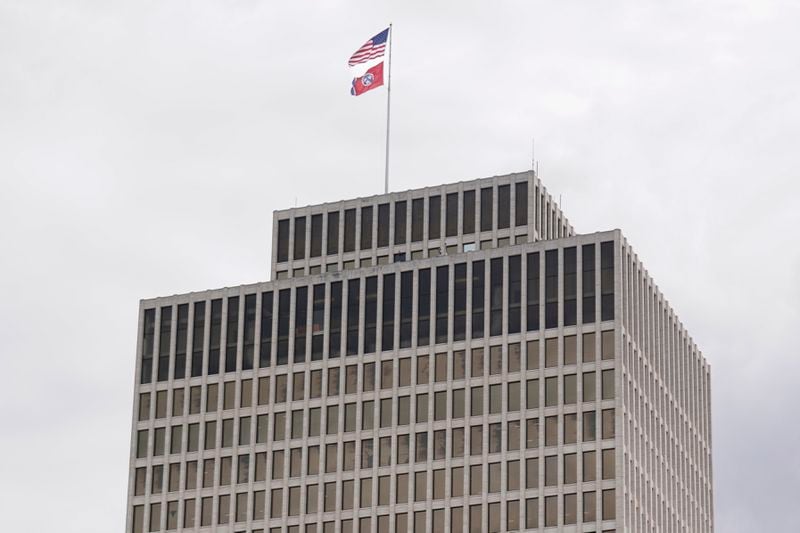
point(449, 358)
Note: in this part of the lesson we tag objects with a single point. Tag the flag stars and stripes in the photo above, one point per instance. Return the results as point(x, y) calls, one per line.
point(372, 49)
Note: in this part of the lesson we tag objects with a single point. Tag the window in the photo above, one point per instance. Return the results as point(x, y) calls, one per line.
point(589, 426)
point(551, 289)
point(607, 344)
point(333, 233)
point(417, 218)
point(353, 288)
point(406, 309)
point(300, 321)
point(570, 389)
point(349, 230)
point(283, 240)
point(570, 508)
point(496, 297)
point(284, 297)
point(400, 222)
point(335, 321)
point(478, 304)
point(387, 331)
point(609, 504)
point(532, 269)
point(299, 238)
point(608, 464)
point(607, 281)
point(570, 428)
point(366, 228)
point(442, 303)
point(486, 209)
point(434, 217)
point(608, 384)
point(370, 314)
point(514, 294)
point(451, 223)
point(468, 222)
point(503, 206)
point(460, 302)
point(589, 466)
point(587, 282)
point(521, 203)
point(550, 511)
point(589, 506)
point(608, 423)
point(424, 307)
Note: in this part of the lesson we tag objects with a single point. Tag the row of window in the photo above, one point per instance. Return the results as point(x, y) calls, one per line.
point(370, 226)
point(565, 426)
point(446, 368)
point(237, 508)
point(557, 390)
point(219, 473)
point(328, 318)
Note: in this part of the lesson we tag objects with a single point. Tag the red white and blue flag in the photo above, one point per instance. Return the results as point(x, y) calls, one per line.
point(371, 79)
point(372, 49)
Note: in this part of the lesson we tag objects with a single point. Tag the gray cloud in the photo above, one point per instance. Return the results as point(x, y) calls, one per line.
point(144, 145)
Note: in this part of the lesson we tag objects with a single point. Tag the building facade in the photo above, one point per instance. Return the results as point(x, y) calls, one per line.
point(450, 357)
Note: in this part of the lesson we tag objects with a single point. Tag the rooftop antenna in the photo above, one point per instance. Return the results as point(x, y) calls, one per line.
point(533, 154)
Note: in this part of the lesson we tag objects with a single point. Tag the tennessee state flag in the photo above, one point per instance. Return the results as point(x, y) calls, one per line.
point(371, 79)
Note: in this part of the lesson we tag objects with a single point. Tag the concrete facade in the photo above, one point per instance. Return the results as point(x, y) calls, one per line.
point(544, 385)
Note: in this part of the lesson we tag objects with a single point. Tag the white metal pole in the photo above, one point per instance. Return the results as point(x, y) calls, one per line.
point(388, 109)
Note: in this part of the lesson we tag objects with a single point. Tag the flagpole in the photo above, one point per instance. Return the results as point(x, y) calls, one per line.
point(388, 109)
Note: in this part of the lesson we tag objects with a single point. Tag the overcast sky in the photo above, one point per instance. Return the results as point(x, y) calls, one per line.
point(144, 145)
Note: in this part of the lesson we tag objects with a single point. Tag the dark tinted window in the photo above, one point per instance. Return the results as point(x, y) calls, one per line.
point(486, 209)
point(316, 236)
point(148, 340)
point(163, 343)
point(406, 309)
point(496, 297)
point(249, 334)
point(265, 350)
point(503, 206)
point(570, 286)
point(349, 230)
point(417, 218)
point(215, 336)
point(284, 298)
point(317, 322)
point(300, 320)
point(478, 298)
point(460, 302)
point(353, 288)
point(333, 233)
point(607, 280)
point(451, 224)
point(366, 228)
point(232, 334)
point(424, 307)
point(400, 222)
point(198, 332)
point(521, 204)
point(383, 225)
point(283, 240)
point(533, 292)
point(180, 341)
point(468, 223)
point(551, 289)
point(588, 280)
point(335, 338)
point(370, 313)
point(442, 293)
point(514, 293)
point(387, 333)
point(434, 217)
point(299, 237)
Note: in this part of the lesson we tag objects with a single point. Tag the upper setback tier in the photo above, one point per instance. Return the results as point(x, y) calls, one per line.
point(564, 284)
point(415, 224)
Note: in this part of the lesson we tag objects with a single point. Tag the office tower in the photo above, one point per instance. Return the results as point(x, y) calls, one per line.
point(454, 357)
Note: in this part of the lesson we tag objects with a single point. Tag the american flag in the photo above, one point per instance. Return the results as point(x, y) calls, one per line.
point(371, 49)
